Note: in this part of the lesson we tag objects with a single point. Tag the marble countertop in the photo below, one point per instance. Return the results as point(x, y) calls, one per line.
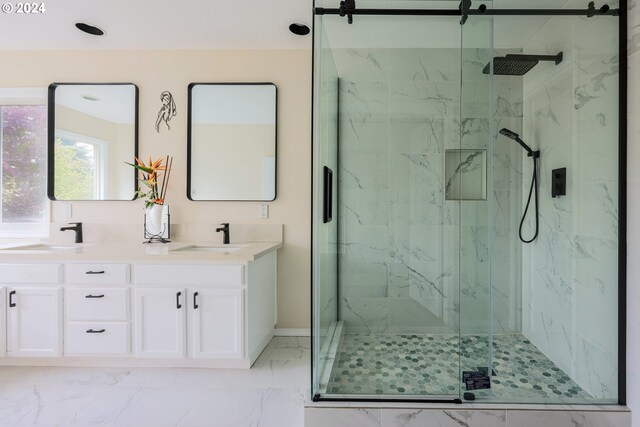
point(134, 252)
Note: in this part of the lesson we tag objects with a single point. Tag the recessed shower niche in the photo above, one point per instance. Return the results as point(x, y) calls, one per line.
point(465, 173)
point(447, 257)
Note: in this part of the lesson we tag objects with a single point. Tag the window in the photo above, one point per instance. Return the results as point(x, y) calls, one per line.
point(24, 208)
point(79, 167)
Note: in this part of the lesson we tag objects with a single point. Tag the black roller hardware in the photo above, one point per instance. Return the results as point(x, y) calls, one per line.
point(178, 305)
point(99, 331)
point(94, 296)
point(11, 303)
point(195, 300)
point(95, 272)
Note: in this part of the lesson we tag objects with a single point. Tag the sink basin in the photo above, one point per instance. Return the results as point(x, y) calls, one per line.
point(41, 247)
point(210, 248)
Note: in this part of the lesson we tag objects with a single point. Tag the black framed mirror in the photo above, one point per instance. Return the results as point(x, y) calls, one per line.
point(92, 132)
point(232, 141)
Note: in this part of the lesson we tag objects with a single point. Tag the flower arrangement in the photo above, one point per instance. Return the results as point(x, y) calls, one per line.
point(155, 176)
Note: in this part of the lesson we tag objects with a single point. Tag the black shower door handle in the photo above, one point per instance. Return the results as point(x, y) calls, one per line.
point(327, 196)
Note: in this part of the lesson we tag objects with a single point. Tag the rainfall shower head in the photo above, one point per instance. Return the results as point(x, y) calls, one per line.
point(514, 136)
point(518, 65)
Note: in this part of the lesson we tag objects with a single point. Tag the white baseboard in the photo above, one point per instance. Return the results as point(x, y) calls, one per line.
point(292, 332)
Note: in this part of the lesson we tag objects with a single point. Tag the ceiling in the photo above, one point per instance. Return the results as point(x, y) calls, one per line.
point(248, 24)
point(159, 24)
point(114, 104)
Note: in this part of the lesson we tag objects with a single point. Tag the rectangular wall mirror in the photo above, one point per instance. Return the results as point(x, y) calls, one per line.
point(232, 141)
point(93, 131)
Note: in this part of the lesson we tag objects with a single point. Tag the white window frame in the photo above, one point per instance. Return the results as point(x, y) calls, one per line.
point(13, 97)
point(100, 174)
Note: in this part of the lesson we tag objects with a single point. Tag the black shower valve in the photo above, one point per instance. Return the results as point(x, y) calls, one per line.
point(559, 182)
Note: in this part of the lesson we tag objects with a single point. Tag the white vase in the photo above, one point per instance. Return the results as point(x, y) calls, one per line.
point(154, 226)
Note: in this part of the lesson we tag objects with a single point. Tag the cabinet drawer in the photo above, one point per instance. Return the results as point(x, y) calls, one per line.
point(30, 273)
point(97, 338)
point(97, 304)
point(189, 274)
point(113, 274)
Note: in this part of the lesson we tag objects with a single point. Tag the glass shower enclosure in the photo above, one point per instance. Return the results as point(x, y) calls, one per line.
point(466, 202)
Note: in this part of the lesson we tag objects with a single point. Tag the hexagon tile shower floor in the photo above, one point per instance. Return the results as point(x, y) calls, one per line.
point(428, 365)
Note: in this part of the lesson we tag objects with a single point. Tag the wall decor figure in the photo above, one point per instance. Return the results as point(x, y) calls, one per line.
point(167, 111)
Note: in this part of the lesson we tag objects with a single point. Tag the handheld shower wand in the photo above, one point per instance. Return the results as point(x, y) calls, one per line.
point(535, 155)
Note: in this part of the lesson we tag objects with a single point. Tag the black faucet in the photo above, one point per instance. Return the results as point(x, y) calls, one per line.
point(77, 228)
point(225, 230)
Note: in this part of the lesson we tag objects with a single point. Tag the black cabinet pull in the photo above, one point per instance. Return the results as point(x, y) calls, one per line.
point(178, 305)
point(99, 331)
point(195, 300)
point(95, 272)
point(94, 296)
point(11, 303)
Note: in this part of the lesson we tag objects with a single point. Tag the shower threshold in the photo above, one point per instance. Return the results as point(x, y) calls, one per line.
point(427, 366)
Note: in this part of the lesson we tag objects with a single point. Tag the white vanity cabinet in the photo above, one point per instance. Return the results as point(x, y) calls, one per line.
point(34, 321)
point(96, 305)
point(33, 307)
point(182, 313)
point(218, 323)
point(215, 327)
point(192, 310)
point(160, 322)
point(205, 314)
point(3, 322)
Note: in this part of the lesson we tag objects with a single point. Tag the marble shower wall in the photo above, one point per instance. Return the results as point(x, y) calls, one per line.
point(399, 239)
point(570, 276)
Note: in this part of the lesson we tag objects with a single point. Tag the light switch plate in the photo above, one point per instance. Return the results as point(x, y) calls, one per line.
point(68, 210)
point(263, 211)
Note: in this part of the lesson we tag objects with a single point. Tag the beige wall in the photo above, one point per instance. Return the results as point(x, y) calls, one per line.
point(157, 71)
point(228, 161)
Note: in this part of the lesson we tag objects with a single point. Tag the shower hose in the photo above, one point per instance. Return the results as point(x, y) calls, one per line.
point(532, 191)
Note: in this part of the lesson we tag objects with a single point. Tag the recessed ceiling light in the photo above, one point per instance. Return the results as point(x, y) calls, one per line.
point(89, 29)
point(299, 29)
point(90, 98)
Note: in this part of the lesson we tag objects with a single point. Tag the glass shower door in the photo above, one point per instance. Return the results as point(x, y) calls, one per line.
point(326, 329)
point(470, 173)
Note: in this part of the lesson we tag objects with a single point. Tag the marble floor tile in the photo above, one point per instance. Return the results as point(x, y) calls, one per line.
point(568, 419)
point(442, 418)
point(272, 393)
point(333, 417)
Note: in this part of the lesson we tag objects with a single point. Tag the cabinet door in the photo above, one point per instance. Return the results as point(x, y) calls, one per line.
point(160, 322)
point(34, 322)
point(218, 322)
point(3, 322)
